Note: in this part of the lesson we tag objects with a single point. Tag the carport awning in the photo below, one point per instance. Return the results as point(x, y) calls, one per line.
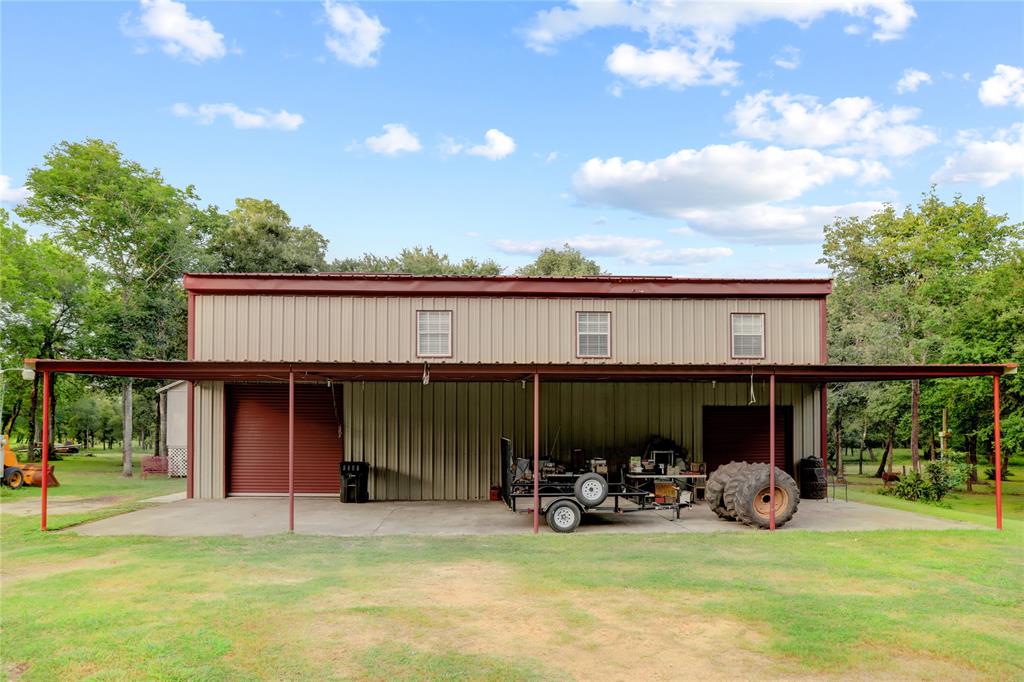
point(198, 370)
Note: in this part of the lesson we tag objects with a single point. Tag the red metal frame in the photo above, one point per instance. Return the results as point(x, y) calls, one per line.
point(998, 454)
point(536, 452)
point(291, 451)
point(45, 446)
point(823, 389)
point(764, 337)
point(362, 284)
point(576, 335)
point(451, 334)
point(190, 426)
point(771, 452)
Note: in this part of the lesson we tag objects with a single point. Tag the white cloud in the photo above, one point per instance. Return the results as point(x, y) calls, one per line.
point(787, 58)
point(686, 37)
point(356, 37)
point(1004, 86)
point(911, 80)
point(12, 195)
point(673, 67)
point(771, 223)
point(855, 125)
point(634, 250)
point(716, 176)
point(497, 145)
point(853, 29)
point(985, 162)
point(180, 34)
point(706, 22)
point(243, 120)
point(395, 140)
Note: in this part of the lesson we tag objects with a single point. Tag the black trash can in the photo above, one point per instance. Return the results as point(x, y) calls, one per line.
point(813, 485)
point(355, 481)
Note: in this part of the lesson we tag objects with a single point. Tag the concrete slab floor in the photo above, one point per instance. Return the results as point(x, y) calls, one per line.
point(253, 517)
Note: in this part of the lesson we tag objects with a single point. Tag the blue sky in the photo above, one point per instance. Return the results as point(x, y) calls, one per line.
point(685, 139)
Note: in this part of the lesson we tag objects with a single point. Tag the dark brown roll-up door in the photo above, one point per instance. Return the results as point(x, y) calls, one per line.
point(258, 439)
point(741, 434)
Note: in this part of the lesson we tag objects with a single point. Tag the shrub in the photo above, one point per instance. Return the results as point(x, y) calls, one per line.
point(940, 477)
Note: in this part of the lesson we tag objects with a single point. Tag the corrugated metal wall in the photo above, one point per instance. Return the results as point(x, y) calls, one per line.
point(208, 460)
point(493, 330)
point(441, 441)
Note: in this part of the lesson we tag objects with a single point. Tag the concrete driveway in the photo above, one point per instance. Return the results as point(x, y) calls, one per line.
point(256, 516)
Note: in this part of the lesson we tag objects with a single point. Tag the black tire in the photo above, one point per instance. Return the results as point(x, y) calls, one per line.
point(15, 479)
point(752, 499)
point(563, 516)
point(715, 486)
point(732, 487)
point(591, 489)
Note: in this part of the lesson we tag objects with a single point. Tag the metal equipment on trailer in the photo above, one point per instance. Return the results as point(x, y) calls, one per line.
point(566, 495)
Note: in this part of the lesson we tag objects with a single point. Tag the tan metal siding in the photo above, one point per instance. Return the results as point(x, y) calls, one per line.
point(208, 459)
point(494, 330)
point(441, 441)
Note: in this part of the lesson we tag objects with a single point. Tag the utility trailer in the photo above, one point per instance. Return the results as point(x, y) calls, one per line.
point(565, 497)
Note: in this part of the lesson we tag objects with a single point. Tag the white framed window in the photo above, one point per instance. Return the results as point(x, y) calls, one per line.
point(433, 333)
point(593, 334)
point(747, 335)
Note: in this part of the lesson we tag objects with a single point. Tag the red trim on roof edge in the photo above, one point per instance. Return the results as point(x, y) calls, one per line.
point(605, 286)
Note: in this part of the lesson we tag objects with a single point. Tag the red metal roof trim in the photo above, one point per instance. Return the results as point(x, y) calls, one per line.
point(604, 286)
point(228, 371)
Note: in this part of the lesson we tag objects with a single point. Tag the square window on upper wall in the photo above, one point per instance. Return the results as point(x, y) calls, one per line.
point(747, 335)
point(593, 334)
point(433, 333)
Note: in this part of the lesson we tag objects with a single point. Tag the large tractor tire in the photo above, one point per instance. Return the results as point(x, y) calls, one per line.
point(591, 489)
point(752, 501)
point(715, 488)
point(14, 479)
point(733, 486)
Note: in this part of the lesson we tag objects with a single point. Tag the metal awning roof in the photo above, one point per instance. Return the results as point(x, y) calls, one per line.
point(197, 370)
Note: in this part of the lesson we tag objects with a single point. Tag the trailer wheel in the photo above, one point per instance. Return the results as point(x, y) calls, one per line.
point(15, 478)
point(563, 516)
point(591, 489)
point(753, 501)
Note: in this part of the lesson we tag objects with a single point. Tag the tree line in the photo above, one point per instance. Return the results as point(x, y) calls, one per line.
point(939, 282)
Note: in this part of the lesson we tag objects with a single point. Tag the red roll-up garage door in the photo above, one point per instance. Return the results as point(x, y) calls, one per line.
point(257, 439)
point(741, 434)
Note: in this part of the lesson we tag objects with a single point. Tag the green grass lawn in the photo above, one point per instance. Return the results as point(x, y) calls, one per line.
point(926, 605)
point(977, 506)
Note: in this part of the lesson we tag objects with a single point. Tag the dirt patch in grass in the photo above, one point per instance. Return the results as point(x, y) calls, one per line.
point(10, 576)
point(61, 505)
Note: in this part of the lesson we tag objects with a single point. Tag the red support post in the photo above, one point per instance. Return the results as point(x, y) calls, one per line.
point(291, 450)
point(46, 447)
point(998, 455)
point(190, 440)
point(824, 433)
point(771, 452)
point(536, 452)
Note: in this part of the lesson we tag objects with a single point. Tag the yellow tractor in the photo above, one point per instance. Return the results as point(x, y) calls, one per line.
point(17, 474)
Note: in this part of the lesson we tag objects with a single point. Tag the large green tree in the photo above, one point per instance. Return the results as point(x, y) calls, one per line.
point(906, 281)
point(44, 295)
point(258, 236)
point(137, 230)
point(417, 261)
point(564, 262)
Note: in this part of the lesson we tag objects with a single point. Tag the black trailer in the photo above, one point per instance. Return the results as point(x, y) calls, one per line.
point(565, 497)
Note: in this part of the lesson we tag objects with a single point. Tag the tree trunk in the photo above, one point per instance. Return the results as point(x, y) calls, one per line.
point(885, 457)
point(33, 408)
point(161, 424)
point(840, 475)
point(915, 423)
point(126, 438)
point(15, 411)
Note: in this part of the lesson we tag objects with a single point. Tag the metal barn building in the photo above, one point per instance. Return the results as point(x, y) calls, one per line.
point(421, 376)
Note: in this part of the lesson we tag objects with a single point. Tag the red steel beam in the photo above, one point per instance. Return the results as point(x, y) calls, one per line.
point(998, 455)
point(771, 452)
point(291, 451)
point(46, 447)
point(536, 452)
point(190, 440)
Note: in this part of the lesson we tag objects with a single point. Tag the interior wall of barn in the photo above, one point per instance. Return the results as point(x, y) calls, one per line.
point(440, 441)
